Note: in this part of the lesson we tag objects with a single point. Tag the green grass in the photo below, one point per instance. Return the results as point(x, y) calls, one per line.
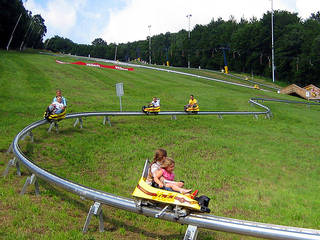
point(219, 75)
point(253, 169)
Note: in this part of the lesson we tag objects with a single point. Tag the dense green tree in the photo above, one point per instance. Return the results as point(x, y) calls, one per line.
point(247, 43)
point(28, 30)
point(36, 33)
point(99, 42)
point(59, 44)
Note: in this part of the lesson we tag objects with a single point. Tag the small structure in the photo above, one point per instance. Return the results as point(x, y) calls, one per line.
point(310, 92)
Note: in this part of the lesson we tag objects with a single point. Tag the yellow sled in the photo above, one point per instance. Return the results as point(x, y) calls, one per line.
point(55, 117)
point(145, 191)
point(150, 109)
point(194, 108)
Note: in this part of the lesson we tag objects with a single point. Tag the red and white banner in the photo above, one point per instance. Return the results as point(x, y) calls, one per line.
point(96, 65)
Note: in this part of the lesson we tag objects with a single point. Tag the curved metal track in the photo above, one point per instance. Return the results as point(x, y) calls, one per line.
point(200, 220)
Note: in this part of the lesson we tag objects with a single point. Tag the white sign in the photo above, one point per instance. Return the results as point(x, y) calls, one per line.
point(119, 88)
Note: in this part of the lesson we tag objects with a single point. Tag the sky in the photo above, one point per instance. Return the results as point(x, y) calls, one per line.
point(122, 21)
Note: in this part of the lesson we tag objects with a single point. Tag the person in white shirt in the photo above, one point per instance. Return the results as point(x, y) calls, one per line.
point(59, 94)
point(57, 106)
point(155, 102)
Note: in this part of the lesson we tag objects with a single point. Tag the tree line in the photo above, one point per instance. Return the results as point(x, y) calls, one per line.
point(246, 43)
point(19, 27)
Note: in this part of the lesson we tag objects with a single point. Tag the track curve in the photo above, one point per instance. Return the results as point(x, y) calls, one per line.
point(200, 220)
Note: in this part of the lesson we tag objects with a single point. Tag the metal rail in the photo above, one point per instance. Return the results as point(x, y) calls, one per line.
point(199, 220)
point(283, 101)
point(115, 113)
point(259, 83)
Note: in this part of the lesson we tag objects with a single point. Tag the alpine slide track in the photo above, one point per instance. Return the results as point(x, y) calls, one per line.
point(193, 220)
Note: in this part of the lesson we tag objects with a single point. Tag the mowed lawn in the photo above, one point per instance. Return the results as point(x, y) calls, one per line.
point(252, 169)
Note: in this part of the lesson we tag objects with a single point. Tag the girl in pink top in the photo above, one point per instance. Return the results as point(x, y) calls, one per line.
point(167, 176)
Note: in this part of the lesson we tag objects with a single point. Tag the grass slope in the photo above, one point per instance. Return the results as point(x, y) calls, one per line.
point(253, 169)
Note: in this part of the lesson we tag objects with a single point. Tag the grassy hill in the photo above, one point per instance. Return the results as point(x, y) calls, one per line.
point(253, 169)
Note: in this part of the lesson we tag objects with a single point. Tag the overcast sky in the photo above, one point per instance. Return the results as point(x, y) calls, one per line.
point(122, 21)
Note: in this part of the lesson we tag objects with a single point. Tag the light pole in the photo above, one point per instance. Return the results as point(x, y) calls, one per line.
point(149, 26)
point(13, 32)
point(25, 35)
point(272, 41)
point(189, 16)
point(115, 53)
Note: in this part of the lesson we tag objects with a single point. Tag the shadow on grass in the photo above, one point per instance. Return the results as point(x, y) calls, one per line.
point(116, 224)
point(113, 224)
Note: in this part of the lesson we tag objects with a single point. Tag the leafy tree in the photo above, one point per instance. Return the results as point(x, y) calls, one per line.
point(59, 44)
point(297, 43)
point(99, 42)
point(10, 12)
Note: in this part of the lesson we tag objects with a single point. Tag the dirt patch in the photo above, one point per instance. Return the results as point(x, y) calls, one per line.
point(234, 211)
point(224, 188)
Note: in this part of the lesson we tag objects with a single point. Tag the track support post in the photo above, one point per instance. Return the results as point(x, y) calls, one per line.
point(54, 123)
point(162, 212)
point(220, 116)
point(95, 209)
point(12, 162)
point(78, 120)
point(10, 149)
point(106, 118)
point(269, 115)
point(173, 117)
point(31, 180)
point(191, 233)
point(30, 134)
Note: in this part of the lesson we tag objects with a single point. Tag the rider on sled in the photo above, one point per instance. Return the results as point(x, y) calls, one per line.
point(153, 107)
point(192, 106)
point(57, 109)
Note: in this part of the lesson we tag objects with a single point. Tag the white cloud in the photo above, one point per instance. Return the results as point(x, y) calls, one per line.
point(128, 20)
point(306, 7)
point(131, 23)
point(60, 15)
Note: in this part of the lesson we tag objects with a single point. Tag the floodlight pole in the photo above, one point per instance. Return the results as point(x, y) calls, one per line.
point(272, 40)
point(189, 16)
point(115, 53)
point(149, 26)
point(14, 29)
point(13, 32)
point(47, 44)
point(25, 35)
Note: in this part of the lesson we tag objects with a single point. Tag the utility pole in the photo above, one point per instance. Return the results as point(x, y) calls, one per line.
point(149, 26)
point(189, 16)
point(115, 53)
point(14, 29)
point(13, 32)
point(25, 35)
point(47, 44)
point(272, 44)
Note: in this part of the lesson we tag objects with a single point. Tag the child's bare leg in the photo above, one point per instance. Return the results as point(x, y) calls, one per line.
point(176, 188)
point(180, 184)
